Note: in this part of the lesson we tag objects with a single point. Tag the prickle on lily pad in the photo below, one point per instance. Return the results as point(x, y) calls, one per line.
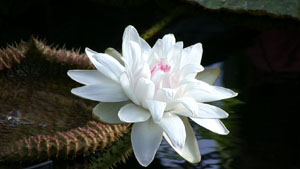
point(40, 119)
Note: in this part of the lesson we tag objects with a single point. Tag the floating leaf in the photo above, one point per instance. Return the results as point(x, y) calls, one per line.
point(39, 117)
point(277, 8)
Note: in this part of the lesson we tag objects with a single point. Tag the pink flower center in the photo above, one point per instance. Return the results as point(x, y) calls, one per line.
point(161, 66)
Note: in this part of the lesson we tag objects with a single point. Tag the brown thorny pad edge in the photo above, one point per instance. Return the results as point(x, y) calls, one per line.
point(62, 144)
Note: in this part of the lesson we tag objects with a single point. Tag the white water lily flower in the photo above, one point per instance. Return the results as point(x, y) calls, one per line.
point(157, 89)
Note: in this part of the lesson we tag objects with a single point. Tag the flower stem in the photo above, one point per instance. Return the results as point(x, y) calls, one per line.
point(161, 24)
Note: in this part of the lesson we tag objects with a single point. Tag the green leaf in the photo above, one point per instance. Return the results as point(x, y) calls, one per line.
point(277, 8)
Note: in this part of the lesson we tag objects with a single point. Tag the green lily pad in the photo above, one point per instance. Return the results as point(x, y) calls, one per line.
point(277, 8)
point(39, 117)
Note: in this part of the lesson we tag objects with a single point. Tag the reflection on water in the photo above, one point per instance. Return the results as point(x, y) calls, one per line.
point(208, 148)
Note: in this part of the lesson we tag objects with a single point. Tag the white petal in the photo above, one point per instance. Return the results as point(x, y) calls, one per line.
point(130, 35)
point(204, 111)
point(174, 56)
point(190, 151)
point(190, 70)
point(192, 54)
point(156, 53)
point(106, 64)
point(146, 50)
point(179, 44)
point(144, 90)
point(169, 40)
point(174, 128)
point(108, 112)
point(145, 138)
point(103, 92)
point(108, 73)
point(128, 88)
point(157, 109)
point(167, 43)
point(214, 125)
point(110, 63)
point(169, 93)
point(209, 76)
point(132, 113)
point(203, 92)
point(134, 60)
point(90, 52)
point(157, 78)
point(115, 54)
point(144, 71)
point(145, 46)
point(189, 103)
point(87, 77)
